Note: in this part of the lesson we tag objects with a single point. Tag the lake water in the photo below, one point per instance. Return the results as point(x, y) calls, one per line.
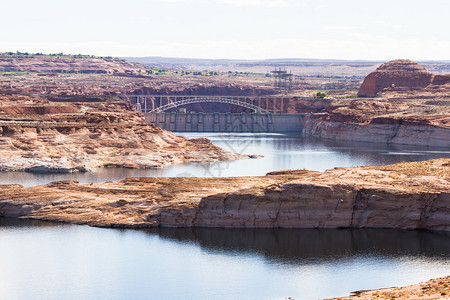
point(281, 152)
point(42, 260)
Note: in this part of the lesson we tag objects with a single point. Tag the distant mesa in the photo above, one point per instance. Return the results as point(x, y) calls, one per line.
point(399, 74)
point(51, 64)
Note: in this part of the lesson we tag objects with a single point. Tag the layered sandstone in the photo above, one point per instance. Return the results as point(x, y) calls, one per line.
point(65, 64)
point(414, 131)
point(398, 121)
point(438, 288)
point(406, 195)
point(38, 136)
point(398, 76)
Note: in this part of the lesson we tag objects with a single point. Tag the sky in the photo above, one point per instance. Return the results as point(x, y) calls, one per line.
point(234, 29)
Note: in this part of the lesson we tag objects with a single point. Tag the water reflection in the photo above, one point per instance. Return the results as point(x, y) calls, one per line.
point(303, 245)
point(291, 245)
point(16, 223)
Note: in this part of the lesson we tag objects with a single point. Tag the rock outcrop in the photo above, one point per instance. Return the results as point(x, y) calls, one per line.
point(419, 132)
point(42, 137)
point(399, 75)
point(389, 121)
point(433, 289)
point(406, 195)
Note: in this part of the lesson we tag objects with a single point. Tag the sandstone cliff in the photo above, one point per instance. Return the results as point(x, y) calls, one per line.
point(407, 195)
point(400, 75)
point(419, 132)
point(398, 121)
point(38, 136)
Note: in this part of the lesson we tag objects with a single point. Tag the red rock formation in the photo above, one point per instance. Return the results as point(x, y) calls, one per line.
point(432, 131)
point(440, 79)
point(37, 110)
point(41, 137)
point(396, 74)
point(406, 195)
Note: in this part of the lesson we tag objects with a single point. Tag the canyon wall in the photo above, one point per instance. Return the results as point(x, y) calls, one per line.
point(314, 206)
point(386, 131)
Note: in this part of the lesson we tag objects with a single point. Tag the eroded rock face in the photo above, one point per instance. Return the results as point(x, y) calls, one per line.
point(440, 79)
point(383, 130)
point(406, 195)
point(63, 138)
point(400, 73)
point(388, 121)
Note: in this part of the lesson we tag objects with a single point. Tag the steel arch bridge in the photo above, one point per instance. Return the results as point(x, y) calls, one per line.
point(162, 103)
point(208, 99)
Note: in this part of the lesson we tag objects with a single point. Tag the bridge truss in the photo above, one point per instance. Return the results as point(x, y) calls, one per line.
point(162, 103)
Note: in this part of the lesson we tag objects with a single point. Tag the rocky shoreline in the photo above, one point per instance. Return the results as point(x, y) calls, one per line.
point(438, 288)
point(386, 131)
point(37, 136)
point(419, 122)
point(405, 196)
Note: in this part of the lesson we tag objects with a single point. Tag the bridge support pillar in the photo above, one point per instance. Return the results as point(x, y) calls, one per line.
point(243, 118)
point(216, 122)
point(228, 118)
point(200, 122)
point(228, 122)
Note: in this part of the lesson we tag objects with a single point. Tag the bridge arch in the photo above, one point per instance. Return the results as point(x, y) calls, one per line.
point(209, 99)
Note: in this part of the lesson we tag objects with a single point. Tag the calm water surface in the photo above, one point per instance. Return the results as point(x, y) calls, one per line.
point(281, 152)
point(41, 260)
point(52, 261)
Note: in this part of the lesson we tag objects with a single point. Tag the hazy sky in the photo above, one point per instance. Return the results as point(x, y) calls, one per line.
point(258, 29)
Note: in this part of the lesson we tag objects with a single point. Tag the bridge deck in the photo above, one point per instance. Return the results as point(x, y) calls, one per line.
point(259, 104)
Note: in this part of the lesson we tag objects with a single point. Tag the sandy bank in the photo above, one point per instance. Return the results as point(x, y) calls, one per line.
point(432, 289)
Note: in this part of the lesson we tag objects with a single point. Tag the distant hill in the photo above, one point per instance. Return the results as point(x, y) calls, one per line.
point(60, 63)
point(299, 66)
